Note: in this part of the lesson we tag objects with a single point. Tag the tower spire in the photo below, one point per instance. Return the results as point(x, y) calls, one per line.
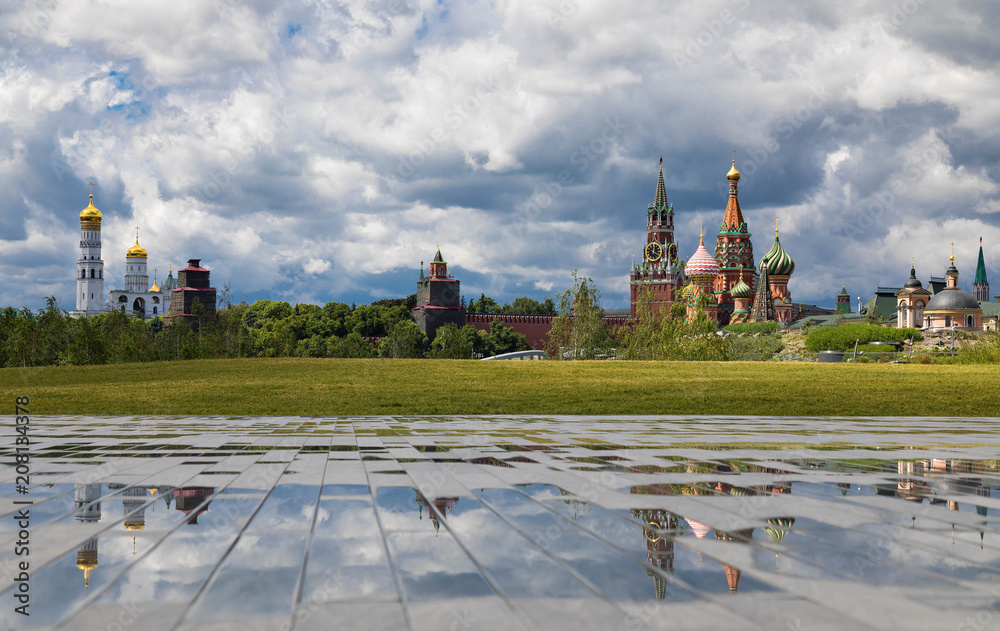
point(660, 201)
point(981, 286)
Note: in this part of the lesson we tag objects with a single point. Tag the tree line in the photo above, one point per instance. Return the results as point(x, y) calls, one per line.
point(265, 328)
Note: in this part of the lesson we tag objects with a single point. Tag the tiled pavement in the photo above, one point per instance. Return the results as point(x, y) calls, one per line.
point(505, 523)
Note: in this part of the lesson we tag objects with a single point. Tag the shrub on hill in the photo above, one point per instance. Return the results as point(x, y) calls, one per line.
point(843, 338)
point(753, 327)
point(754, 348)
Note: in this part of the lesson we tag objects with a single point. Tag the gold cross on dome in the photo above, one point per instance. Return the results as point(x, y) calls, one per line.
point(701, 229)
point(952, 251)
point(137, 234)
point(776, 225)
point(91, 184)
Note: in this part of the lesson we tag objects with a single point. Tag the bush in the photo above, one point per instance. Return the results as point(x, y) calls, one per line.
point(759, 348)
point(843, 338)
point(753, 327)
point(984, 351)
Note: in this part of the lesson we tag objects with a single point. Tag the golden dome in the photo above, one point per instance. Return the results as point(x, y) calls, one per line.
point(86, 559)
point(90, 214)
point(733, 173)
point(135, 525)
point(136, 250)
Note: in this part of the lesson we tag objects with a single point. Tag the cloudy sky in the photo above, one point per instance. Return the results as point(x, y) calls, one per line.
point(317, 151)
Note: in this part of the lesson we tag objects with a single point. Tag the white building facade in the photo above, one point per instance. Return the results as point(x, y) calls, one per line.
point(139, 298)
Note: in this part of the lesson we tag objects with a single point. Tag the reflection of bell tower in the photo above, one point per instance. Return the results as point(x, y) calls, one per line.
point(134, 501)
point(86, 560)
point(88, 510)
point(85, 500)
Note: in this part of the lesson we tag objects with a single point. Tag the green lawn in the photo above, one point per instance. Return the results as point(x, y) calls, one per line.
point(346, 386)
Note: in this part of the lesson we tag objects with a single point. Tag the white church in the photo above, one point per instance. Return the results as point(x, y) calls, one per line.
point(138, 298)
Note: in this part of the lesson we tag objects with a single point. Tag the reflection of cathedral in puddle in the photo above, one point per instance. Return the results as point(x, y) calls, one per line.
point(938, 481)
point(87, 510)
point(663, 530)
point(442, 504)
point(134, 505)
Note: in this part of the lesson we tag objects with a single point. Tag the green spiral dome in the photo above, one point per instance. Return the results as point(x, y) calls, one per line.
point(777, 260)
point(741, 290)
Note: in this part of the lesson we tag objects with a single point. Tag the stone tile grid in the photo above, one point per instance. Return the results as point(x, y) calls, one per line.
point(737, 470)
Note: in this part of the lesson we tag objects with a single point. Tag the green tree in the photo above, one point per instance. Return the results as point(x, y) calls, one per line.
point(406, 340)
point(503, 339)
point(529, 306)
point(350, 346)
point(485, 304)
point(579, 332)
point(451, 342)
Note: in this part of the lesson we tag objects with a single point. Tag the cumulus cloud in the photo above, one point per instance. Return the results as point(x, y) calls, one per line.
point(320, 151)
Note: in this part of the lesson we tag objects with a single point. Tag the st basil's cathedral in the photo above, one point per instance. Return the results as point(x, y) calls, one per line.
point(727, 285)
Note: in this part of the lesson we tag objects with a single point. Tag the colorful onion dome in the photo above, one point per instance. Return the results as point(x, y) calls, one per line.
point(733, 173)
point(90, 214)
point(699, 529)
point(778, 261)
point(702, 264)
point(741, 290)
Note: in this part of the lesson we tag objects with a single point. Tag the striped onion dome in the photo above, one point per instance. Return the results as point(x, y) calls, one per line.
point(778, 261)
point(702, 264)
point(741, 290)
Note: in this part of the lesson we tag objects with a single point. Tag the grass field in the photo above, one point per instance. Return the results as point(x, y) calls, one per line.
point(405, 387)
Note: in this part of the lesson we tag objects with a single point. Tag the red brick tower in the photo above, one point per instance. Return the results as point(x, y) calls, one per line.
point(438, 299)
point(659, 269)
point(194, 297)
point(733, 250)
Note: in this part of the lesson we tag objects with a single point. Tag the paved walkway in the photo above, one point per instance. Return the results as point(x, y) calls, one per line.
point(505, 523)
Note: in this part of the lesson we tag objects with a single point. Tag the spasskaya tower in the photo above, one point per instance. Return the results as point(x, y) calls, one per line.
point(659, 271)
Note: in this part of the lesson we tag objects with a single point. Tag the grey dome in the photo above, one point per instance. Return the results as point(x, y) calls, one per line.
point(952, 298)
point(913, 283)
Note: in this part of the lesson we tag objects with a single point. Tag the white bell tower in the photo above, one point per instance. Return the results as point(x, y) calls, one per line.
point(90, 266)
